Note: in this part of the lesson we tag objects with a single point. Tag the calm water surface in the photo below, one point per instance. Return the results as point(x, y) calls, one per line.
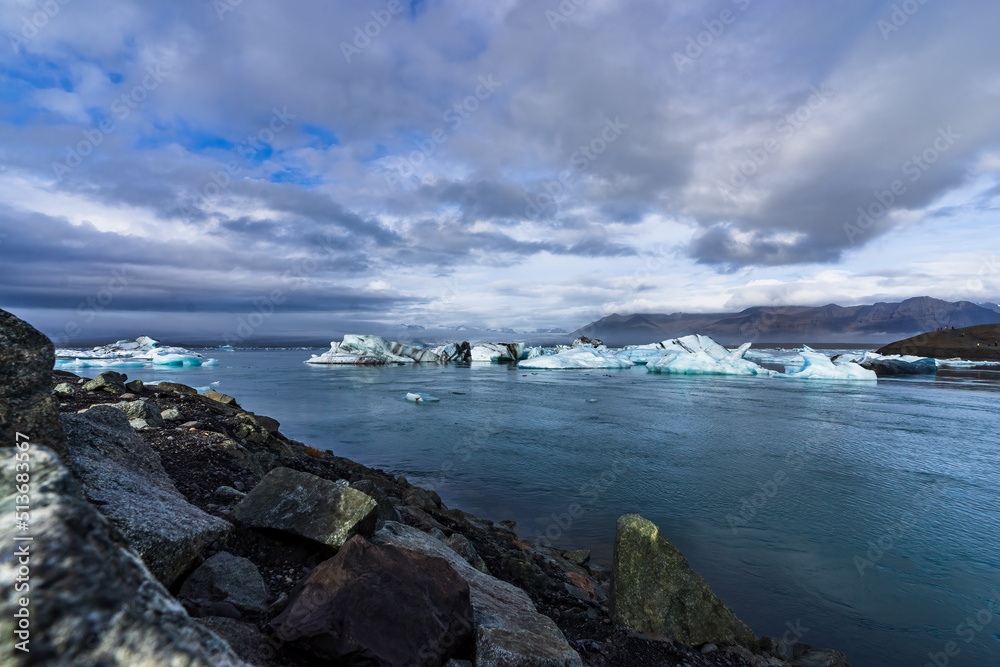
point(866, 515)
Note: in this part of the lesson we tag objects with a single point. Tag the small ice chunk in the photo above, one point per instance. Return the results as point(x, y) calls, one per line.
point(421, 398)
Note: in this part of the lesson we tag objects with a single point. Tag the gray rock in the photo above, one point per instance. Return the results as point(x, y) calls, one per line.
point(26, 402)
point(124, 477)
point(172, 415)
point(385, 510)
point(422, 498)
point(227, 578)
point(245, 639)
point(227, 494)
point(192, 424)
point(654, 591)
point(134, 386)
point(140, 411)
point(509, 630)
point(64, 389)
point(177, 388)
point(225, 399)
point(308, 506)
point(92, 600)
point(463, 547)
point(108, 381)
point(580, 557)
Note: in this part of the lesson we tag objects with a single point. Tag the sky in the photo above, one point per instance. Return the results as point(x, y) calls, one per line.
point(238, 169)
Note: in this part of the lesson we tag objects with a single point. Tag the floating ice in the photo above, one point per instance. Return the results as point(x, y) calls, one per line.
point(495, 352)
point(700, 355)
point(578, 357)
point(818, 366)
point(372, 351)
point(421, 398)
point(136, 353)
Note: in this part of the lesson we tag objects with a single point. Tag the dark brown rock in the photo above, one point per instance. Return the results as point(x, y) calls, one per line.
point(380, 605)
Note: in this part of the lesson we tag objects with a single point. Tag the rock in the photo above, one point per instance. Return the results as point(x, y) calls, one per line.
point(580, 557)
point(64, 389)
point(308, 506)
point(108, 381)
point(509, 630)
point(245, 639)
point(187, 425)
point(390, 606)
point(268, 424)
point(134, 386)
point(708, 648)
point(92, 600)
point(463, 547)
point(458, 663)
point(177, 388)
point(227, 494)
point(801, 655)
point(140, 411)
point(385, 510)
point(124, 477)
point(26, 402)
point(654, 591)
point(422, 498)
point(227, 578)
point(171, 415)
point(225, 399)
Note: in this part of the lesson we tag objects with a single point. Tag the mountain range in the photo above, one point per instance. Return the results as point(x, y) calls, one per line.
point(877, 323)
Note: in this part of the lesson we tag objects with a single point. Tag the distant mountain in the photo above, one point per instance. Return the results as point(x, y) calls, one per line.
point(880, 322)
point(995, 307)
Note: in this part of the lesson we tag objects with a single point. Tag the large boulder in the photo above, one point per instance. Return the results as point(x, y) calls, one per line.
point(227, 578)
point(124, 477)
point(308, 506)
point(26, 403)
point(141, 414)
point(379, 605)
point(654, 591)
point(111, 382)
point(92, 602)
point(509, 630)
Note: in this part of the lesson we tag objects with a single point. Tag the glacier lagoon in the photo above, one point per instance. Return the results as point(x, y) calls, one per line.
point(864, 515)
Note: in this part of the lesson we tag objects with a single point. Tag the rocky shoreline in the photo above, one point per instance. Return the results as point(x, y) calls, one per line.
point(178, 528)
point(978, 343)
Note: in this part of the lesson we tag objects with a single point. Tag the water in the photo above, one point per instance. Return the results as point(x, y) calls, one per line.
point(912, 462)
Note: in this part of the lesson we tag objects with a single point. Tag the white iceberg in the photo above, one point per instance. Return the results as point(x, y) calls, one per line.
point(364, 350)
point(136, 353)
point(640, 354)
point(700, 355)
point(818, 366)
point(495, 352)
point(421, 398)
point(578, 357)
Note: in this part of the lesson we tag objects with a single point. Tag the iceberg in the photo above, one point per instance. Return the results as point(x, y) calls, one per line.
point(365, 350)
point(578, 357)
point(700, 355)
point(818, 366)
point(886, 365)
point(460, 352)
point(142, 351)
point(421, 398)
point(495, 352)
